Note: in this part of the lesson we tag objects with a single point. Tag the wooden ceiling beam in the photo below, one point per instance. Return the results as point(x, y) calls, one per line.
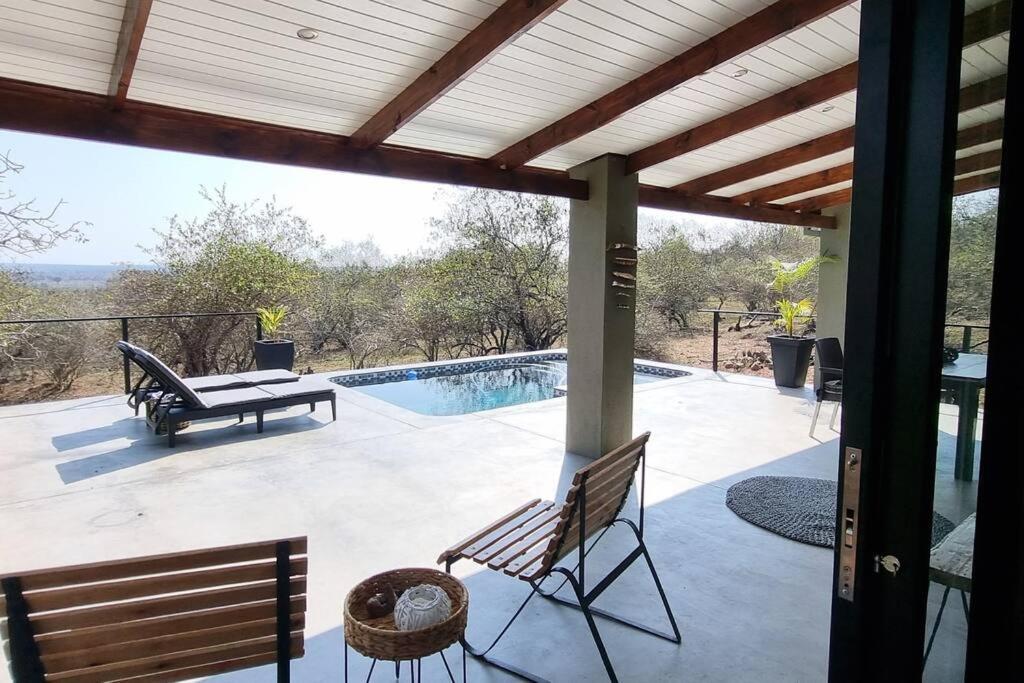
point(771, 22)
point(981, 25)
point(979, 162)
point(664, 198)
point(806, 183)
point(985, 92)
point(503, 26)
point(807, 94)
point(971, 97)
point(129, 41)
point(968, 137)
point(51, 110)
point(990, 131)
point(976, 183)
point(986, 23)
point(776, 161)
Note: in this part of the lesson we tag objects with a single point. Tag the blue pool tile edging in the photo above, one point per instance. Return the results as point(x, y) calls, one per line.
point(358, 378)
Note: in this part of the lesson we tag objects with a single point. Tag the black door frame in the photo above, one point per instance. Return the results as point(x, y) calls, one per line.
point(910, 52)
point(996, 631)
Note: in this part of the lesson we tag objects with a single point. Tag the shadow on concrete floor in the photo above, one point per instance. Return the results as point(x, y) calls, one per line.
point(148, 447)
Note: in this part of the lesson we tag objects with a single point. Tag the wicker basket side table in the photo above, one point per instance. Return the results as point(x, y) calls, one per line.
point(378, 637)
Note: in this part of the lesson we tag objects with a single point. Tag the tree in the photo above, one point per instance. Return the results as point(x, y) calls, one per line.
point(510, 254)
point(24, 229)
point(237, 257)
point(672, 274)
point(972, 249)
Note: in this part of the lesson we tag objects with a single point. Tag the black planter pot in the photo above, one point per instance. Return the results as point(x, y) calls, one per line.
point(274, 354)
point(791, 356)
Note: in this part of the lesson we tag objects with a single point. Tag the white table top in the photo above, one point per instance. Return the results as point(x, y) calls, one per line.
point(969, 366)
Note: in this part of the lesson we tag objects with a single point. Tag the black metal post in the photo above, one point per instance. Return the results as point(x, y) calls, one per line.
point(965, 345)
point(127, 363)
point(997, 601)
point(910, 53)
point(284, 635)
point(716, 317)
point(24, 653)
point(259, 329)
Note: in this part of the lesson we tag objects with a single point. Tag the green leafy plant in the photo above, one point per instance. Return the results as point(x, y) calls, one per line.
point(786, 279)
point(271, 319)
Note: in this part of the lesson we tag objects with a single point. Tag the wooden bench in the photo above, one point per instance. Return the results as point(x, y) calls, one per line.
point(159, 618)
point(951, 564)
point(528, 543)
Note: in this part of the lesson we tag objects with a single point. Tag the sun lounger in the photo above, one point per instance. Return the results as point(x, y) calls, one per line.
point(177, 402)
point(148, 385)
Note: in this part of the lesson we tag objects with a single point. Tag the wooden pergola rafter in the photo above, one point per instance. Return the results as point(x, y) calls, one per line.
point(50, 109)
point(979, 26)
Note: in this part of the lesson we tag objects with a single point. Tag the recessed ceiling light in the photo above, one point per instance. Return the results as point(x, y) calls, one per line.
point(740, 73)
point(827, 108)
point(307, 33)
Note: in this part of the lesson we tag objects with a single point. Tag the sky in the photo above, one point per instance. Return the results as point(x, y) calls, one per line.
point(125, 192)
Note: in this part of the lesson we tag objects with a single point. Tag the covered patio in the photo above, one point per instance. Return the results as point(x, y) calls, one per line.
point(739, 109)
point(384, 487)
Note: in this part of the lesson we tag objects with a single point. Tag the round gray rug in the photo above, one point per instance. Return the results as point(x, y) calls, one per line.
point(799, 508)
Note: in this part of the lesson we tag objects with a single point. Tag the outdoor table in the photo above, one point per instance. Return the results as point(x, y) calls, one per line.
point(966, 376)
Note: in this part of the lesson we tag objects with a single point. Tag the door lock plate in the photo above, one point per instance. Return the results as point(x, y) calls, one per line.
point(849, 523)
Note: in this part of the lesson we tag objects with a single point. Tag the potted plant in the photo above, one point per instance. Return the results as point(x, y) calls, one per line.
point(273, 352)
point(791, 353)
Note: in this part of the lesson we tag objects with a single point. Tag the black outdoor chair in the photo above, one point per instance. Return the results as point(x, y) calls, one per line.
point(828, 380)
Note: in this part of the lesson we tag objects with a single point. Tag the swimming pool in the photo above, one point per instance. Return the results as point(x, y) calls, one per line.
point(469, 387)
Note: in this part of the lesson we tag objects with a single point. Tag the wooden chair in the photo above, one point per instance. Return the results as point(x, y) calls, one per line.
point(528, 543)
point(159, 618)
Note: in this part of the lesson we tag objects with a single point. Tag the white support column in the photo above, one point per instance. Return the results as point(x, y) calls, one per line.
point(831, 303)
point(601, 324)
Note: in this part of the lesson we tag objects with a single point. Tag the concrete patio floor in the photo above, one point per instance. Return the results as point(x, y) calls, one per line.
point(383, 487)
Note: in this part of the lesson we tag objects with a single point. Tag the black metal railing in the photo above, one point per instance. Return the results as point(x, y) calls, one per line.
point(125, 320)
point(967, 343)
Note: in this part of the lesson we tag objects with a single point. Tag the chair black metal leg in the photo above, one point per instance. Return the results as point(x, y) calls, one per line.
point(967, 608)
point(835, 413)
point(482, 653)
point(334, 410)
point(592, 625)
point(935, 628)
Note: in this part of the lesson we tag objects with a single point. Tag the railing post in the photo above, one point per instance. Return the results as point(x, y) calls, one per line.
point(127, 363)
point(259, 328)
point(716, 316)
point(965, 345)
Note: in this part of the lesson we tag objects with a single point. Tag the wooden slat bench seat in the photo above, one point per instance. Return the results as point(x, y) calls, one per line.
point(528, 542)
point(166, 617)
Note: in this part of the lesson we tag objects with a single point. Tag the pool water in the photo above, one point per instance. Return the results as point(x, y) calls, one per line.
point(476, 390)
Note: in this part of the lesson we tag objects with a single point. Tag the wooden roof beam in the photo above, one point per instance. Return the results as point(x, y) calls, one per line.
point(971, 97)
point(981, 25)
point(50, 110)
point(968, 137)
point(974, 183)
point(129, 41)
point(986, 23)
point(664, 198)
point(503, 26)
point(807, 94)
point(771, 22)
